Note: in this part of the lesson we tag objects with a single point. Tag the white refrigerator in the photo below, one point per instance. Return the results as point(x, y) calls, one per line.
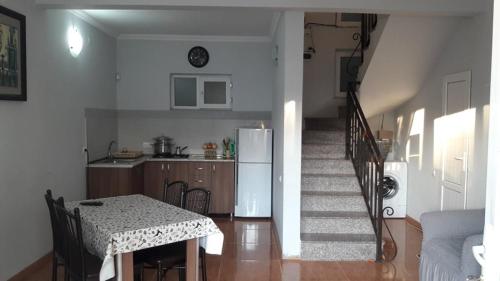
point(254, 157)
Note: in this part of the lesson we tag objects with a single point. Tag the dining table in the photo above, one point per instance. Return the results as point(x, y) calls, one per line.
point(121, 225)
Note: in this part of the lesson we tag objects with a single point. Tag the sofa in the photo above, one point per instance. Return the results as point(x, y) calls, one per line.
point(448, 238)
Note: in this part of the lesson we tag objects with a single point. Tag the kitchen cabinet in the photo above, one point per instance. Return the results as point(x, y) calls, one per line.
point(222, 188)
point(218, 178)
point(190, 91)
point(156, 173)
point(215, 176)
point(107, 182)
point(199, 175)
point(154, 178)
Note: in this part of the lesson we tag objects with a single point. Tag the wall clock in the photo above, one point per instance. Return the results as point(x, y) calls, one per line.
point(198, 56)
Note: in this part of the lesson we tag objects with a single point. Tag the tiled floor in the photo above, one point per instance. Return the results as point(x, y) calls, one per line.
point(250, 253)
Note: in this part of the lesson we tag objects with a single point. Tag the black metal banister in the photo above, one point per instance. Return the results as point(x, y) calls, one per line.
point(366, 127)
point(361, 146)
point(368, 164)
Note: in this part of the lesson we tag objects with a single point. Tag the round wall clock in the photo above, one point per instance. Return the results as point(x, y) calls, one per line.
point(198, 56)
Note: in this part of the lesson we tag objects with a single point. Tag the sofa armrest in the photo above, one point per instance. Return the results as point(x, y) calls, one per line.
point(452, 223)
point(469, 266)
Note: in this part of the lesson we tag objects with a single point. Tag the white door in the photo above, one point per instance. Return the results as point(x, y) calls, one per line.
point(456, 100)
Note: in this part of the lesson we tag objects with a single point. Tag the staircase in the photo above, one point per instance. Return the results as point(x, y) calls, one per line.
point(341, 206)
point(335, 224)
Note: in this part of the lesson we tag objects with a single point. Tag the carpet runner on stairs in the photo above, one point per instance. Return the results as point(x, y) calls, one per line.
point(335, 224)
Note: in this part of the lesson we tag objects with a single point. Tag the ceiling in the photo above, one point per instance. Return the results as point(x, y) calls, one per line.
point(210, 22)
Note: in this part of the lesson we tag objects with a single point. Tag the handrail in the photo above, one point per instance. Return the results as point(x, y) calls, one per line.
point(368, 164)
point(351, 95)
point(361, 146)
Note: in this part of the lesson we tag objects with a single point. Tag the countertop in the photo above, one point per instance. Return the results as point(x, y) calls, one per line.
point(138, 161)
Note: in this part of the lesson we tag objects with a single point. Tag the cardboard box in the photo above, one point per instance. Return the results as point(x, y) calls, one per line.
point(384, 135)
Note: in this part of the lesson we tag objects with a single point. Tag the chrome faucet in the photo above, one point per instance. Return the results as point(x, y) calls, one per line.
point(110, 156)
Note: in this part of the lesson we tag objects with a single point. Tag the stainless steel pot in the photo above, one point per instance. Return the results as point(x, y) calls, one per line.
point(162, 145)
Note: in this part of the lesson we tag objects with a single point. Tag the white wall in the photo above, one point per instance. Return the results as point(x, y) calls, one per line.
point(287, 124)
point(469, 48)
point(186, 128)
point(145, 67)
point(41, 139)
point(491, 270)
point(376, 121)
point(320, 98)
point(143, 93)
point(405, 52)
point(101, 129)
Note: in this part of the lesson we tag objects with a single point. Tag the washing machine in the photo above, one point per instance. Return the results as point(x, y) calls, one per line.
point(395, 189)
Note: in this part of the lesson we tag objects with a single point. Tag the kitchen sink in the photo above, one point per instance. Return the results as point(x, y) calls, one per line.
point(117, 161)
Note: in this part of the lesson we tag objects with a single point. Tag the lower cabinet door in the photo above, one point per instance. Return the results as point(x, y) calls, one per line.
point(101, 182)
point(222, 188)
point(108, 182)
point(154, 179)
point(178, 171)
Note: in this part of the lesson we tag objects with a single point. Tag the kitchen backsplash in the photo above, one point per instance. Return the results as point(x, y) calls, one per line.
point(101, 128)
point(137, 129)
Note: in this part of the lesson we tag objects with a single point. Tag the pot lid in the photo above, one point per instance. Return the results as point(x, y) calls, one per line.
point(162, 139)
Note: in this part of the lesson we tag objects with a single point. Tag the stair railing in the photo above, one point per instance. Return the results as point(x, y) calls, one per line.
point(368, 164)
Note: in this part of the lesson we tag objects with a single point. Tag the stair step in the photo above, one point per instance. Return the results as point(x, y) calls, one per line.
point(333, 214)
point(336, 225)
point(323, 137)
point(333, 203)
point(331, 193)
point(323, 151)
point(323, 182)
point(338, 251)
point(324, 123)
point(327, 166)
point(338, 237)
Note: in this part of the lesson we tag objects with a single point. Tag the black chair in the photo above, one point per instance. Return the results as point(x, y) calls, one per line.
point(173, 255)
point(173, 193)
point(57, 246)
point(79, 264)
point(197, 200)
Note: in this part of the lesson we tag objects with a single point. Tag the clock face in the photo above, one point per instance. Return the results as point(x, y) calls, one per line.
point(198, 56)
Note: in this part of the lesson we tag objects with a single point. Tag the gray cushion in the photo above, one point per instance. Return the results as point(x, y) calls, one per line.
point(470, 267)
point(447, 251)
point(452, 223)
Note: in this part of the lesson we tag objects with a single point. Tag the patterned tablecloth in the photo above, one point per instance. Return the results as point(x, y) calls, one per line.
point(129, 223)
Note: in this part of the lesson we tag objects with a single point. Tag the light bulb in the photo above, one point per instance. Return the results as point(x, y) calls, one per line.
point(75, 41)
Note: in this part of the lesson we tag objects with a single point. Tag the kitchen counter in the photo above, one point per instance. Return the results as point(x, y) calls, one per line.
point(122, 163)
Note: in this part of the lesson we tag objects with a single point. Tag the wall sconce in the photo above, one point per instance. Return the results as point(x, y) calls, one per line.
point(75, 41)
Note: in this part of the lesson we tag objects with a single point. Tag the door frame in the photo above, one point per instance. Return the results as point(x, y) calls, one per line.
point(450, 78)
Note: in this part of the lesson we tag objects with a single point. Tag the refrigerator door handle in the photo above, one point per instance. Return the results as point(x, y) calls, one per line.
point(236, 185)
point(237, 146)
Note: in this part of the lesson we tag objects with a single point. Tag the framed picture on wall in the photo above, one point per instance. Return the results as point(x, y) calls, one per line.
point(348, 19)
point(12, 55)
point(346, 70)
